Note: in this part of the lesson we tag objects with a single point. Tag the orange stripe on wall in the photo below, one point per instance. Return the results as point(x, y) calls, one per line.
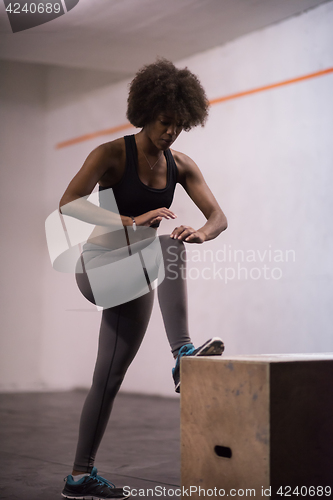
point(87, 137)
point(272, 86)
point(125, 126)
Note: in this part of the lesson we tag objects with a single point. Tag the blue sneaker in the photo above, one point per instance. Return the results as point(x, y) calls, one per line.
point(92, 487)
point(213, 347)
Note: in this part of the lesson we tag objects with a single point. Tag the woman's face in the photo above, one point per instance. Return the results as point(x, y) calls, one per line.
point(164, 130)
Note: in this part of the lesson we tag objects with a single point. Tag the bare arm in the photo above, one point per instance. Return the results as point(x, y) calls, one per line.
point(74, 202)
point(194, 184)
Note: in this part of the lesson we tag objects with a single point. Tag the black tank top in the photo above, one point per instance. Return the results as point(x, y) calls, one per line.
point(133, 197)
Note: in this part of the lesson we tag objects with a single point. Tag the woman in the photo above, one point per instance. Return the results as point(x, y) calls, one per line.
point(139, 173)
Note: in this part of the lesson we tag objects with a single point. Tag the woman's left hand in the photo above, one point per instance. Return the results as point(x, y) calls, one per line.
point(188, 234)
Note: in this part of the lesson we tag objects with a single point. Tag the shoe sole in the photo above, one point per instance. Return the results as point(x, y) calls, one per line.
point(213, 347)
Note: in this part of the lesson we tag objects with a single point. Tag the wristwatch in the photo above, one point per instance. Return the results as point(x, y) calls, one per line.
point(134, 223)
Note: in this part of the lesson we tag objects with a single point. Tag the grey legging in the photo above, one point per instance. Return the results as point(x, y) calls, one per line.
point(121, 333)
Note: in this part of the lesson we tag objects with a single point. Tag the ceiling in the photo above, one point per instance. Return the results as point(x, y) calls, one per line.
point(119, 36)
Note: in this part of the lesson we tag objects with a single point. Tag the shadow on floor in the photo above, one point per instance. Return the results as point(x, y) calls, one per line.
point(140, 448)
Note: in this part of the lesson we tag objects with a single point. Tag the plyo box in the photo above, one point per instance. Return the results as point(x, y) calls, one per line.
point(257, 422)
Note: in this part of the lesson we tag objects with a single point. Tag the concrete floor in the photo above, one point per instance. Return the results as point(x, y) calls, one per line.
point(38, 433)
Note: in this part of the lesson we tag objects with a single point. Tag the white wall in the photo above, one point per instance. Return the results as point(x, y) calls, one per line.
point(267, 158)
point(22, 152)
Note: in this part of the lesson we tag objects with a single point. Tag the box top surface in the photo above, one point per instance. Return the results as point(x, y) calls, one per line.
point(273, 358)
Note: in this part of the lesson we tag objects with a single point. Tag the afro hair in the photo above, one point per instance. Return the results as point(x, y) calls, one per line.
point(160, 87)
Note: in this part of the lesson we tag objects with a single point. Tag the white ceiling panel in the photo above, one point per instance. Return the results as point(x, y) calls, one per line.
point(119, 36)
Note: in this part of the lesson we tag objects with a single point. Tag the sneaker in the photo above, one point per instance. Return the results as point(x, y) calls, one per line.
point(213, 347)
point(92, 487)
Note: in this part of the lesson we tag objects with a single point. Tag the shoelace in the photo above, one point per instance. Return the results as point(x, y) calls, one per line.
point(101, 480)
point(186, 350)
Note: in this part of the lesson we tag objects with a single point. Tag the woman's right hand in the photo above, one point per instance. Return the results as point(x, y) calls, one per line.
point(154, 216)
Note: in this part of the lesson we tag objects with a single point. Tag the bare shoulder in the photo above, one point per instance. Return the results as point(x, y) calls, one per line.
point(186, 166)
point(182, 160)
point(113, 156)
point(112, 151)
